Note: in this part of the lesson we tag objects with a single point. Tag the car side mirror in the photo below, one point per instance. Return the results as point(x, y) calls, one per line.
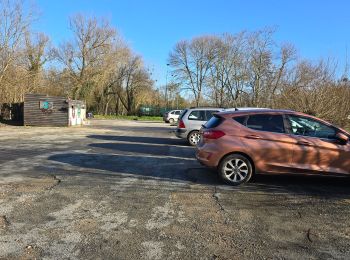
point(342, 138)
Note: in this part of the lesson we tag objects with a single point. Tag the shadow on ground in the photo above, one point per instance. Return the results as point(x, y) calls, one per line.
point(315, 185)
point(180, 170)
point(169, 159)
point(141, 139)
point(149, 129)
point(167, 169)
point(158, 150)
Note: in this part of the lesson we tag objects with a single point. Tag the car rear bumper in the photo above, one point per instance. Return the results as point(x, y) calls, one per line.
point(181, 133)
point(208, 156)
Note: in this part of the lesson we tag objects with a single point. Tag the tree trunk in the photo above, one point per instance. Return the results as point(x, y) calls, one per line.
point(106, 108)
point(117, 106)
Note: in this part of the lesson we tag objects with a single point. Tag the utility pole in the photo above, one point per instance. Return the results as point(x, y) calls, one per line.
point(166, 86)
point(177, 100)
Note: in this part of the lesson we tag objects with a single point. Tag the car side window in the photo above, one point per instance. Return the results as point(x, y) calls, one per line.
point(309, 127)
point(269, 123)
point(209, 114)
point(177, 112)
point(198, 115)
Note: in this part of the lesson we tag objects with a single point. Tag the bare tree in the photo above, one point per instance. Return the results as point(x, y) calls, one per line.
point(228, 73)
point(306, 88)
point(192, 61)
point(260, 64)
point(36, 53)
point(83, 56)
point(287, 55)
point(124, 81)
point(132, 79)
point(14, 22)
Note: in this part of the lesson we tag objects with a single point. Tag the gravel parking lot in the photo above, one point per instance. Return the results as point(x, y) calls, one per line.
point(130, 190)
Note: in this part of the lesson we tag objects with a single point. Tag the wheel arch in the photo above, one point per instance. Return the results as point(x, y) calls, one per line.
point(190, 132)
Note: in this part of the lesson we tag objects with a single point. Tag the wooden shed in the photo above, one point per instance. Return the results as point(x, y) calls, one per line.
point(42, 110)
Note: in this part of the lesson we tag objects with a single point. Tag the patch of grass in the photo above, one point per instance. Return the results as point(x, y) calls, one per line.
point(140, 118)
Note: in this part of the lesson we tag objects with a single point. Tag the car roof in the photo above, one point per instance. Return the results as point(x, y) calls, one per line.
point(205, 108)
point(228, 109)
point(276, 111)
point(247, 111)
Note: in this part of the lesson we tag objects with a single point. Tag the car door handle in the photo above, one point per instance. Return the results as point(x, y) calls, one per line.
point(252, 137)
point(304, 143)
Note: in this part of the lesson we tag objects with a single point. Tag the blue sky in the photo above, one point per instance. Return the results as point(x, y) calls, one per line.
point(317, 28)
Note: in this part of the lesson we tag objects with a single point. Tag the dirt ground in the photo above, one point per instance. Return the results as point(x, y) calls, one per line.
point(131, 190)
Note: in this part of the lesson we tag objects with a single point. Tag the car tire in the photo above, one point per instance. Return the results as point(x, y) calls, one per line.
point(171, 121)
point(235, 169)
point(193, 138)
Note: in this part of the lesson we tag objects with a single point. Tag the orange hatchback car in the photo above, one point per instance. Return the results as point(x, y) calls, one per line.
point(242, 143)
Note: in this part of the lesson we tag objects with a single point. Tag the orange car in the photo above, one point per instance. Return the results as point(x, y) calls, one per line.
point(242, 143)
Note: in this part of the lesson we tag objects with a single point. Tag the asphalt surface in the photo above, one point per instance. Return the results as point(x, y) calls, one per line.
point(131, 190)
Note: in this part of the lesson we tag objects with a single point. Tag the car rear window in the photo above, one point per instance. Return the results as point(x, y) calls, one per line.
point(213, 122)
point(240, 119)
point(209, 114)
point(269, 123)
point(182, 114)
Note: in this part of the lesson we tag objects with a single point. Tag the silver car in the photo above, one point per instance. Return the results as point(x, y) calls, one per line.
point(191, 120)
point(171, 116)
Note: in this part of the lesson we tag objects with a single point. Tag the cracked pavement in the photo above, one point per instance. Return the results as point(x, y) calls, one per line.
point(128, 189)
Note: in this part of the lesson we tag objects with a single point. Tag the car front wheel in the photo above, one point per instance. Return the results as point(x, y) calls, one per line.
point(193, 138)
point(171, 121)
point(235, 169)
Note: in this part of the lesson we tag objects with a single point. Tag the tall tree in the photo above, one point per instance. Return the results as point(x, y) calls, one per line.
point(14, 23)
point(191, 61)
point(36, 53)
point(82, 57)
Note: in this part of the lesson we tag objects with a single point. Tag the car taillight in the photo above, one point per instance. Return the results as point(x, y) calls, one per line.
point(181, 124)
point(213, 134)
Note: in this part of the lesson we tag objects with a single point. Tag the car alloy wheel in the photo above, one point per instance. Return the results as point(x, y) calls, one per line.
point(235, 169)
point(171, 121)
point(194, 138)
